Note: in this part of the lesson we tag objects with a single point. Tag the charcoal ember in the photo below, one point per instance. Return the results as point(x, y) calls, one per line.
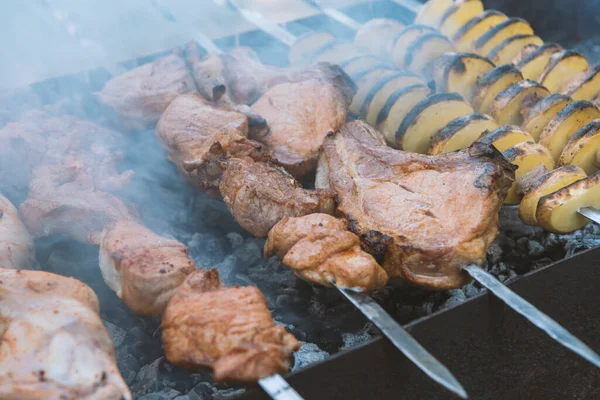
point(203, 391)
point(457, 296)
point(228, 393)
point(228, 268)
point(494, 253)
point(116, 333)
point(128, 364)
point(354, 339)
point(309, 353)
point(535, 249)
point(182, 397)
point(250, 252)
point(206, 249)
point(164, 394)
point(144, 387)
point(472, 290)
point(235, 239)
point(150, 371)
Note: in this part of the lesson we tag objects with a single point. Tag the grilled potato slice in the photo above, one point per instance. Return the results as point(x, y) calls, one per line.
point(432, 12)
point(404, 39)
point(303, 48)
point(516, 100)
point(510, 48)
point(562, 68)
point(565, 124)
point(459, 14)
point(459, 72)
point(533, 64)
point(377, 35)
point(546, 184)
point(527, 156)
point(505, 137)
point(465, 37)
point(424, 50)
point(365, 83)
point(491, 84)
point(557, 212)
point(499, 33)
point(427, 118)
point(461, 132)
point(381, 91)
point(583, 149)
point(524, 53)
point(586, 86)
point(542, 113)
point(397, 107)
point(336, 52)
point(360, 63)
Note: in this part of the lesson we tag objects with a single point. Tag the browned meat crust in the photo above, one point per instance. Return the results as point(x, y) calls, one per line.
point(227, 329)
point(143, 268)
point(259, 194)
point(423, 216)
point(52, 341)
point(139, 97)
point(16, 245)
point(320, 249)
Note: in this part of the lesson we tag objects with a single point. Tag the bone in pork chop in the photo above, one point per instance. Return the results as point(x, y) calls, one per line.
point(320, 249)
point(16, 245)
point(143, 268)
point(192, 128)
point(228, 329)
point(299, 116)
point(52, 341)
point(259, 194)
point(423, 216)
point(139, 97)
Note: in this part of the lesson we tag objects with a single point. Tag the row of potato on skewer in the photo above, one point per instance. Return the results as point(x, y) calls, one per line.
point(533, 101)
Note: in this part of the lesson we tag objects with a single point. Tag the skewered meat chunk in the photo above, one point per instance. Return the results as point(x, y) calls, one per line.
point(259, 194)
point(298, 123)
point(424, 217)
point(139, 97)
point(320, 249)
point(228, 329)
point(52, 342)
point(195, 131)
point(143, 268)
point(16, 244)
point(65, 200)
point(245, 79)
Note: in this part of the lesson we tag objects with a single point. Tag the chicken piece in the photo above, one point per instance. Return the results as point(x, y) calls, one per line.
point(143, 268)
point(259, 194)
point(65, 200)
point(227, 329)
point(52, 341)
point(40, 138)
point(139, 97)
point(245, 79)
point(300, 115)
point(320, 249)
point(424, 217)
point(191, 128)
point(16, 245)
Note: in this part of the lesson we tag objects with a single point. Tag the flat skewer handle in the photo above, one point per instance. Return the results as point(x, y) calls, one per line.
point(277, 387)
point(590, 213)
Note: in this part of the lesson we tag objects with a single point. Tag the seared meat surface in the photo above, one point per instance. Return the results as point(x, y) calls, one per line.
point(192, 128)
point(143, 268)
point(65, 200)
point(245, 79)
point(259, 194)
point(300, 115)
point(227, 329)
point(139, 97)
point(320, 249)
point(52, 341)
point(16, 245)
point(423, 216)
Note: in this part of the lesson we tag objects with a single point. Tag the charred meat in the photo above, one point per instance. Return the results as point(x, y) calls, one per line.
point(423, 216)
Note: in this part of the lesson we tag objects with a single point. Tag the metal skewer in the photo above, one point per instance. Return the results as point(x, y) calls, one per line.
point(514, 301)
point(369, 307)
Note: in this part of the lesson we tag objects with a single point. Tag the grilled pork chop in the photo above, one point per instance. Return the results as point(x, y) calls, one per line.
point(192, 128)
point(52, 341)
point(228, 329)
point(143, 268)
point(300, 115)
point(423, 216)
point(139, 97)
point(16, 244)
point(320, 249)
point(259, 194)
